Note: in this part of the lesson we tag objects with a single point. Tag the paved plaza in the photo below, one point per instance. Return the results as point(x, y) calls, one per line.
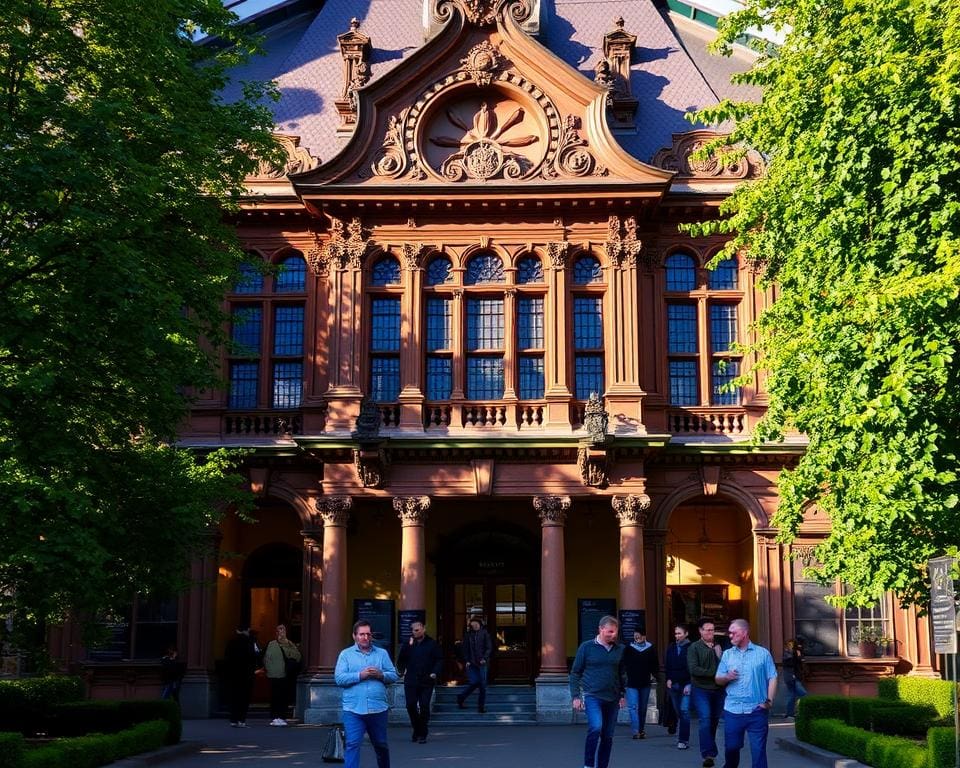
point(261, 746)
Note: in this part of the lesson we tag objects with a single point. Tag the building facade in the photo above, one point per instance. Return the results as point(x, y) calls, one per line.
point(488, 374)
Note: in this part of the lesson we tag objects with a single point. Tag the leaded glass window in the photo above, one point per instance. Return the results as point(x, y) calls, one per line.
point(531, 377)
point(587, 270)
point(250, 280)
point(681, 272)
point(384, 379)
point(725, 277)
point(243, 385)
point(247, 323)
point(724, 372)
point(723, 327)
point(292, 276)
point(530, 322)
point(287, 384)
point(484, 324)
point(439, 378)
point(439, 271)
point(288, 331)
point(681, 329)
point(385, 325)
point(588, 373)
point(484, 268)
point(485, 378)
point(385, 272)
point(683, 383)
point(588, 322)
point(529, 270)
point(438, 324)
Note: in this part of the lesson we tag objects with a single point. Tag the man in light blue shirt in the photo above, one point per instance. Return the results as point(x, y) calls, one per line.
point(363, 671)
point(750, 677)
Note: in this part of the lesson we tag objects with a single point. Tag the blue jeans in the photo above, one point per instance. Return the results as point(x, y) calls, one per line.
point(477, 677)
point(795, 690)
point(637, 701)
point(708, 705)
point(601, 722)
point(754, 725)
point(376, 726)
point(681, 705)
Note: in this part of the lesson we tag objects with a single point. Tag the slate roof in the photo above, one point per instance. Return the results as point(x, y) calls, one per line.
point(671, 74)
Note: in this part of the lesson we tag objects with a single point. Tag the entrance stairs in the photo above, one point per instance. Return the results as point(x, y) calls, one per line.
point(506, 705)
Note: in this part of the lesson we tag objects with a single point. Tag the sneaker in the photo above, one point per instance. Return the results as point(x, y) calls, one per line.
point(708, 762)
point(636, 736)
point(279, 722)
point(641, 735)
point(234, 724)
point(682, 745)
point(242, 724)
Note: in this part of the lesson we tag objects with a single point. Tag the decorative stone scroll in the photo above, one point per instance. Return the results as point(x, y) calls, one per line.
point(297, 160)
point(631, 510)
point(572, 157)
point(347, 244)
point(371, 465)
point(728, 163)
point(483, 13)
point(334, 510)
point(557, 253)
point(482, 62)
point(552, 510)
point(412, 510)
point(355, 50)
point(623, 246)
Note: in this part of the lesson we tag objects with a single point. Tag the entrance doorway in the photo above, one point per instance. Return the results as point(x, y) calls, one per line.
point(487, 573)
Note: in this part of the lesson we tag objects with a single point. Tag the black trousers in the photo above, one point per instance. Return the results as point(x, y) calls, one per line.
point(239, 692)
point(418, 707)
point(279, 696)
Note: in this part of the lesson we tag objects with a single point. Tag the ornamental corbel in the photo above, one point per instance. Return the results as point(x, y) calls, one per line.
point(557, 253)
point(593, 465)
point(371, 463)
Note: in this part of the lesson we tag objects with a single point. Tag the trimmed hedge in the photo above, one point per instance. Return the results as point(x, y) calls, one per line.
point(895, 752)
point(24, 704)
point(111, 716)
point(96, 749)
point(876, 749)
point(813, 708)
point(941, 747)
point(919, 690)
point(839, 737)
point(896, 719)
point(12, 747)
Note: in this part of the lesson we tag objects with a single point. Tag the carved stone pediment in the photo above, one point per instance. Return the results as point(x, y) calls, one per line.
point(483, 13)
point(297, 160)
point(748, 165)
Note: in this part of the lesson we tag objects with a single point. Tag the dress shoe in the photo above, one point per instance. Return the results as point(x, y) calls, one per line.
point(481, 710)
point(422, 740)
point(414, 738)
point(460, 703)
point(708, 762)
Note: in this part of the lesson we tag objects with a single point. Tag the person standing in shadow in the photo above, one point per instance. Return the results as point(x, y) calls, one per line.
point(240, 663)
point(477, 647)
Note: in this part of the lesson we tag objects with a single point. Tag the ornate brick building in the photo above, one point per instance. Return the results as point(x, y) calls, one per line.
point(490, 375)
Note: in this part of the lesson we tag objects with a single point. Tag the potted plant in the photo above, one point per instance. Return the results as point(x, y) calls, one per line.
point(867, 637)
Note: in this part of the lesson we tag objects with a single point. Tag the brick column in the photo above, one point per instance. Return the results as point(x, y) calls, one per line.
point(412, 511)
point(631, 511)
point(334, 632)
point(312, 597)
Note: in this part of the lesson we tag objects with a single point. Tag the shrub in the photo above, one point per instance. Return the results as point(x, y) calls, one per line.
point(837, 736)
point(894, 752)
point(899, 719)
point(11, 747)
point(941, 747)
point(25, 703)
point(919, 690)
point(108, 716)
point(811, 708)
point(98, 749)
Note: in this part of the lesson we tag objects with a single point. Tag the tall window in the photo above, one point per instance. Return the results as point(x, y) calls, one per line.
point(588, 359)
point(385, 349)
point(702, 315)
point(531, 345)
point(439, 347)
point(485, 348)
point(267, 325)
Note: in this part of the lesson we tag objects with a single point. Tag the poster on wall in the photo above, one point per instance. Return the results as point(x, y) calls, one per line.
point(630, 621)
point(380, 615)
point(943, 605)
point(589, 612)
point(405, 619)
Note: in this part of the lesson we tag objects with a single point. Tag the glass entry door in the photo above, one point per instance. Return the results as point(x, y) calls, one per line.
point(502, 605)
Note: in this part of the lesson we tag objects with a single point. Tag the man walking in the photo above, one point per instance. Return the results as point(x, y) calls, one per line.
point(363, 671)
point(706, 695)
point(640, 663)
point(677, 673)
point(597, 683)
point(750, 677)
point(477, 648)
point(420, 662)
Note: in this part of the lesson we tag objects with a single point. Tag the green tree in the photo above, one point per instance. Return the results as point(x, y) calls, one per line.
point(857, 223)
point(118, 165)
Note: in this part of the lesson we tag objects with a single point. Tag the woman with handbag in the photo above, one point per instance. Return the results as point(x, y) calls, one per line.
point(281, 660)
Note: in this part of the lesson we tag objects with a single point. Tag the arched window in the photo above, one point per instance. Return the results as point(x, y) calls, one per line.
point(529, 270)
point(725, 277)
point(681, 272)
point(292, 277)
point(439, 271)
point(587, 270)
point(385, 272)
point(484, 268)
point(695, 314)
point(250, 280)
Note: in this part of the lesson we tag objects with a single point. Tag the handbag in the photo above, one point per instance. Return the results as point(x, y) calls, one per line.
point(290, 666)
point(335, 746)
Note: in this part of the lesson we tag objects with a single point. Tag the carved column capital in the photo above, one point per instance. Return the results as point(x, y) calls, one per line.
point(334, 510)
point(412, 510)
point(412, 255)
point(631, 510)
point(551, 509)
point(557, 253)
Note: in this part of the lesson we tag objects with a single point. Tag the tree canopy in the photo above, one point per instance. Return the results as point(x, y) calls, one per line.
point(118, 163)
point(857, 224)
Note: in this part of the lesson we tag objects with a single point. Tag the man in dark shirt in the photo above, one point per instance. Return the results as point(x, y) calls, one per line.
point(420, 662)
point(597, 684)
point(477, 647)
point(706, 696)
point(640, 661)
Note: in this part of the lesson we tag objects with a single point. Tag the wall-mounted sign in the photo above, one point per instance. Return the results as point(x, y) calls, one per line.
point(943, 605)
point(630, 621)
point(380, 615)
point(589, 612)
